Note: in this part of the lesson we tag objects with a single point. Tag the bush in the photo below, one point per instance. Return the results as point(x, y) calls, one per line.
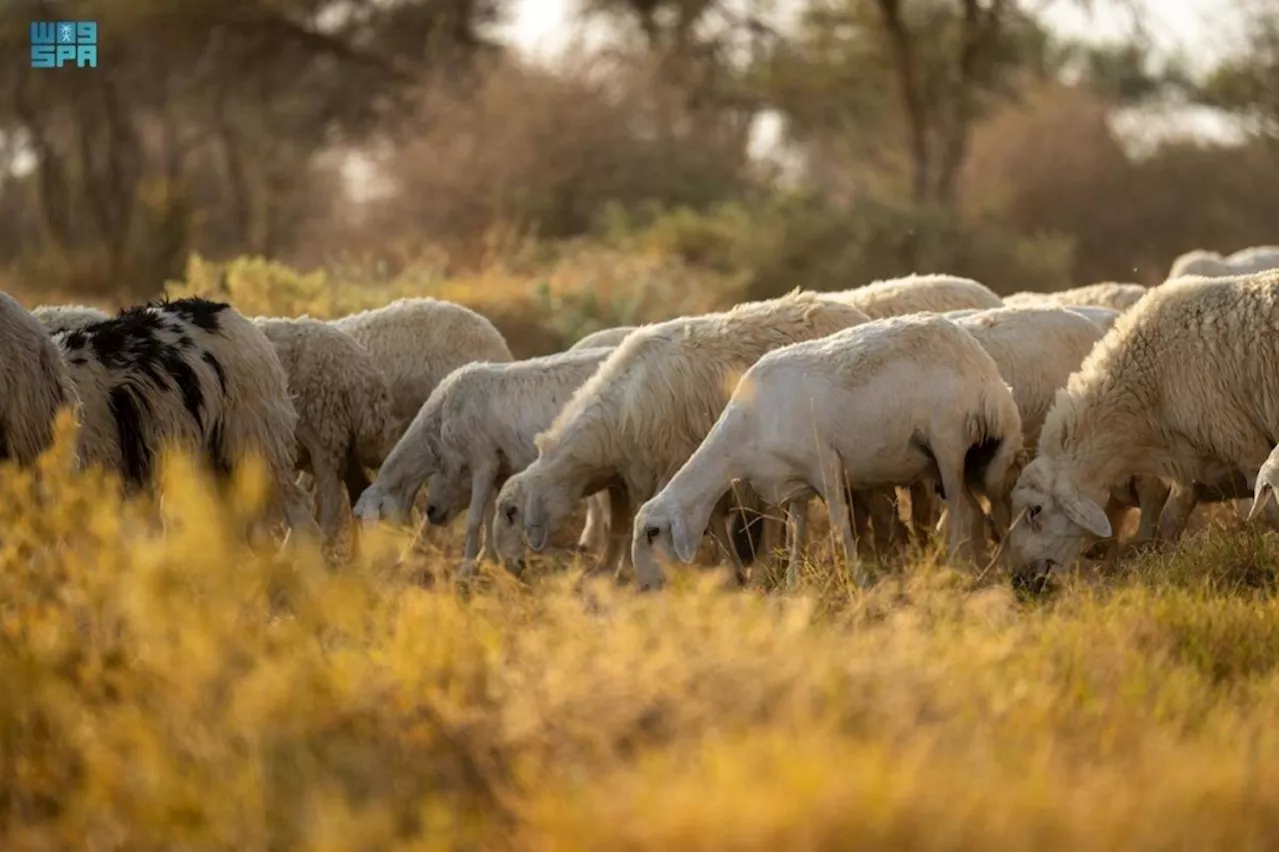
point(543, 306)
point(794, 240)
point(183, 690)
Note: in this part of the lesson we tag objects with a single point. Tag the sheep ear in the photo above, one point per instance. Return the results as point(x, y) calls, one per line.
point(1086, 513)
point(535, 523)
point(683, 540)
point(1260, 494)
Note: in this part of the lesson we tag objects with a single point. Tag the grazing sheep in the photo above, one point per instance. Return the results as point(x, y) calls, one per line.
point(1119, 296)
point(476, 430)
point(1211, 264)
point(34, 384)
point(343, 404)
point(1037, 349)
point(645, 411)
point(56, 318)
point(192, 373)
point(885, 403)
point(416, 343)
point(1184, 386)
point(604, 337)
point(915, 293)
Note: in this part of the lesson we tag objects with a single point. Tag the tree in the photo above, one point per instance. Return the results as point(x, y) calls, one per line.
point(204, 118)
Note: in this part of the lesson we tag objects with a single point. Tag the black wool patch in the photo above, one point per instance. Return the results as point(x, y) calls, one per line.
point(201, 313)
point(216, 451)
point(135, 455)
point(212, 361)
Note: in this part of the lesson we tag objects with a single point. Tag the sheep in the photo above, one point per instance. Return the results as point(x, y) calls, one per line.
point(645, 411)
point(1037, 350)
point(1183, 385)
point(913, 293)
point(57, 318)
point(34, 385)
point(188, 372)
point(416, 343)
point(1201, 262)
point(1116, 295)
point(486, 416)
point(343, 404)
point(884, 403)
point(520, 396)
point(604, 337)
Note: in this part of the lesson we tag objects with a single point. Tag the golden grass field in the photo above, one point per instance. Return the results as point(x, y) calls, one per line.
point(182, 690)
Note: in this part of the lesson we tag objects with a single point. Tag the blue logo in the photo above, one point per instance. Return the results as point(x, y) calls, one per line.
point(54, 43)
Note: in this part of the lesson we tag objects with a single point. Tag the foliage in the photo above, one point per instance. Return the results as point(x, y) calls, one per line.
point(180, 689)
point(541, 309)
point(803, 240)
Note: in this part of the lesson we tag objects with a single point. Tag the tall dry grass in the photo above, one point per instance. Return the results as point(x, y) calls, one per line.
point(176, 688)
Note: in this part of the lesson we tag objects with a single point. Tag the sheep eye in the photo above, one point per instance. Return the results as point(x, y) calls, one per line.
point(1032, 513)
point(510, 512)
point(650, 533)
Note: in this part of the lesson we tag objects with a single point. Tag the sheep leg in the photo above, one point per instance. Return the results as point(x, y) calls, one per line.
point(965, 533)
point(332, 508)
point(1177, 512)
point(596, 529)
point(482, 496)
point(720, 531)
point(797, 529)
point(860, 523)
point(617, 550)
point(836, 495)
point(1152, 496)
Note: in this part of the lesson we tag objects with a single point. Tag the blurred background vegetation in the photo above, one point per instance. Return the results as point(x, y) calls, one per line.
point(389, 136)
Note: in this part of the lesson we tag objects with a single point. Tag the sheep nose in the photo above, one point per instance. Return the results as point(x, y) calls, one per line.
point(434, 515)
point(1033, 578)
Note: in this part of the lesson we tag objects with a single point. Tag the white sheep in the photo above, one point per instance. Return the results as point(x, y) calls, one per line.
point(646, 410)
point(477, 428)
point(191, 373)
point(1211, 264)
point(914, 293)
point(490, 415)
point(604, 337)
point(1037, 349)
point(56, 318)
point(1184, 385)
point(885, 403)
point(1117, 295)
point(344, 409)
point(896, 297)
point(34, 384)
point(417, 342)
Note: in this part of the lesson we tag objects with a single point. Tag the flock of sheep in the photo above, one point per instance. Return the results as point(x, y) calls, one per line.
point(920, 404)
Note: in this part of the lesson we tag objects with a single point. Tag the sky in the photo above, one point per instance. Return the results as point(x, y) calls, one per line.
point(542, 27)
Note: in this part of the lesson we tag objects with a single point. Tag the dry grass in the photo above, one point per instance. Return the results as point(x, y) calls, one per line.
point(180, 691)
point(186, 689)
